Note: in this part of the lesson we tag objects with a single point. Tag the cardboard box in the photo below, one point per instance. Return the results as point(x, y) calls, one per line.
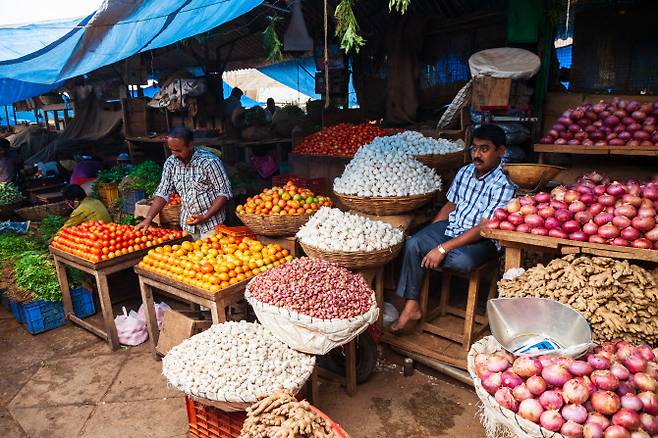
point(179, 325)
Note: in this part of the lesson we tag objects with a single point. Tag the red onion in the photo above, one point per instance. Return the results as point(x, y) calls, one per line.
point(631, 401)
point(580, 368)
point(546, 360)
point(598, 362)
point(579, 236)
point(642, 243)
point(542, 197)
point(571, 226)
point(500, 214)
point(577, 206)
point(596, 418)
point(539, 231)
point(556, 375)
point(600, 189)
point(534, 221)
point(645, 382)
point(605, 402)
point(497, 363)
point(547, 139)
point(607, 200)
point(555, 203)
point(652, 369)
point(598, 107)
point(588, 198)
point(558, 233)
point(528, 209)
point(615, 431)
point(596, 208)
point(604, 379)
point(552, 222)
point(624, 135)
point(619, 371)
point(608, 231)
point(618, 241)
point(492, 382)
point(592, 430)
point(505, 399)
point(575, 413)
point(626, 210)
point(597, 239)
point(563, 215)
point(650, 191)
point(649, 423)
point(522, 392)
point(546, 212)
point(616, 189)
point(525, 366)
point(551, 420)
point(575, 392)
point(551, 400)
point(523, 228)
point(603, 218)
point(571, 429)
point(643, 224)
point(635, 363)
point(646, 352)
point(515, 218)
point(633, 127)
point(583, 216)
point(626, 418)
point(621, 222)
point(511, 380)
point(583, 188)
point(630, 234)
point(571, 196)
point(611, 121)
point(506, 226)
point(527, 200)
point(652, 234)
point(536, 385)
point(625, 387)
point(531, 410)
point(649, 402)
point(590, 228)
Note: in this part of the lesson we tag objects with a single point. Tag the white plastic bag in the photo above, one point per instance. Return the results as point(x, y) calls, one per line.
point(308, 334)
point(504, 62)
point(160, 309)
point(131, 328)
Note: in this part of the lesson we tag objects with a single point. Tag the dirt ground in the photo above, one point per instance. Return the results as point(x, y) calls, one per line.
point(67, 383)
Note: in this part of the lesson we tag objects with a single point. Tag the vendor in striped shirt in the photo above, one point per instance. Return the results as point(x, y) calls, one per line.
point(198, 176)
point(453, 239)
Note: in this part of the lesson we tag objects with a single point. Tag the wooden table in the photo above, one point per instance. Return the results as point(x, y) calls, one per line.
point(644, 151)
point(100, 272)
point(515, 243)
point(216, 302)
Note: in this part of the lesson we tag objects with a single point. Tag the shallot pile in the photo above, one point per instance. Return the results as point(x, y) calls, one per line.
point(618, 299)
point(610, 394)
point(412, 143)
point(371, 173)
point(333, 230)
point(235, 362)
point(314, 287)
point(619, 214)
point(617, 123)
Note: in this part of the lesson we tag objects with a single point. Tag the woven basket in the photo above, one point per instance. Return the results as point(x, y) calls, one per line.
point(170, 215)
point(274, 225)
point(354, 260)
point(108, 193)
point(442, 163)
point(39, 212)
point(384, 206)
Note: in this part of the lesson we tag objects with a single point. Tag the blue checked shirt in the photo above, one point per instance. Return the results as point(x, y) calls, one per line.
point(198, 183)
point(476, 198)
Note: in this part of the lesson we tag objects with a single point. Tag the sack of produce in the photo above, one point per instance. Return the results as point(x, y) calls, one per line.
point(131, 328)
point(312, 305)
point(235, 362)
point(611, 392)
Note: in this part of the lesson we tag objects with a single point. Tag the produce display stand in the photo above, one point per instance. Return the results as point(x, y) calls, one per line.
point(100, 272)
point(286, 242)
point(645, 151)
point(216, 302)
point(515, 243)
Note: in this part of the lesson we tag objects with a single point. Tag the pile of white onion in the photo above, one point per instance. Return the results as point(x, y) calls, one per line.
point(412, 143)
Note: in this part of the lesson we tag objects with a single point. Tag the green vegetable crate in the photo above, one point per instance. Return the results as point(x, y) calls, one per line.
point(40, 316)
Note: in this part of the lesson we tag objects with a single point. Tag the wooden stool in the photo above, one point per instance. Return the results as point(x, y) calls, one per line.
point(444, 308)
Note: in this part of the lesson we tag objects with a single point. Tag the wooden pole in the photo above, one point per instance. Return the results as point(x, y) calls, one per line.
point(13, 107)
point(326, 56)
point(7, 115)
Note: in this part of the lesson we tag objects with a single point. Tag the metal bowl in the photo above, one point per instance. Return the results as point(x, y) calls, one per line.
point(531, 176)
point(517, 322)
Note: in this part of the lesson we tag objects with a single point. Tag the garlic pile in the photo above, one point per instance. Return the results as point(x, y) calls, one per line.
point(235, 362)
point(374, 174)
point(333, 230)
point(412, 143)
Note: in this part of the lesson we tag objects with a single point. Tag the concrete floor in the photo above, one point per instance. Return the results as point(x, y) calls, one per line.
point(67, 383)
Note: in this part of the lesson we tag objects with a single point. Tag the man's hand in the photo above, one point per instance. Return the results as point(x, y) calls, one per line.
point(432, 259)
point(197, 219)
point(143, 224)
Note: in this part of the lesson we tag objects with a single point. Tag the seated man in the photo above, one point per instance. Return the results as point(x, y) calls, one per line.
point(85, 208)
point(453, 238)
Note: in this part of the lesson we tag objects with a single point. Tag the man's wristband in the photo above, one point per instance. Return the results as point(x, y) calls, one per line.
point(441, 249)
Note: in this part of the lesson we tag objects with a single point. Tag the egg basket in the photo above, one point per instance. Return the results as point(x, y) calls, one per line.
point(384, 205)
point(442, 163)
point(274, 225)
point(354, 259)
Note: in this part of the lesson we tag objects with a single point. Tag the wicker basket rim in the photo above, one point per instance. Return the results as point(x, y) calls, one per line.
point(388, 198)
point(360, 253)
point(263, 216)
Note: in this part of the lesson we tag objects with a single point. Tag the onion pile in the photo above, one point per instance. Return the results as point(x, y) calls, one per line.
point(617, 123)
point(619, 214)
point(611, 393)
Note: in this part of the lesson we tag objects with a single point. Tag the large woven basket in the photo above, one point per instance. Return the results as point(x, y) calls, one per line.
point(274, 225)
point(384, 206)
point(354, 260)
point(442, 163)
point(108, 193)
point(39, 212)
point(170, 215)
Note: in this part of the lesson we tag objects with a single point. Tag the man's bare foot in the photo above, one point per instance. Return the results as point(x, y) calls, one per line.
point(411, 312)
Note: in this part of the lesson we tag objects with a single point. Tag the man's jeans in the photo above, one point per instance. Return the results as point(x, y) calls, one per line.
point(463, 259)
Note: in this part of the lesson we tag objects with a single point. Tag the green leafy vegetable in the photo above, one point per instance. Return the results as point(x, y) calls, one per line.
point(13, 245)
point(108, 176)
point(35, 272)
point(145, 176)
point(271, 42)
point(9, 194)
point(50, 225)
point(347, 29)
point(399, 5)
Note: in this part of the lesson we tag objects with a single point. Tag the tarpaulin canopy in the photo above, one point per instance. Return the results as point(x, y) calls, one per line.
point(50, 53)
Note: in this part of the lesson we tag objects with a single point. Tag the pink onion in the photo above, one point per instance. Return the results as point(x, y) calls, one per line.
point(511, 380)
point(625, 387)
point(500, 214)
point(619, 371)
point(600, 189)
point(531, 410)
point(642, 243)
point(580, 368)
point(616, 189)
point(571, 226)
point(631, 401)
point(527, 200)
point(592, 430)
point(596, 418)
point(556, 375)
point(551, 420)
point(536, 385)
point(551, 400)
point(552, 222)
point(646, 352)
point(626, 210)
point(649, 402)
point(546, 360)
point(605, 402)
point(572, 429)
point(497, 363)
point(621, 222)
point(608, 231)
point(646, 212)
point(539, 231)
point(630, 234)
point(506, 226)
point(546, 212)
point(522, 392)
point(652, 234)
point(575, 392)
point(505, 398)
point(528, 209)
point(557, 233)
point(590, 228)
point(635, 363)
point(615, 431)
point(577, 206)
point(643, 224)
point(525, 366)
point(597, 239)
point(596, 208)
point(523, 228)
point(515, 219)
point(604, 379)
point(603, 218)
point(607, 200)
point(649, 423)
point(598, 362)
point(575, 413)
point(492, 382)
point(563, 215)
point(588, 198)
point(645, 382)
point(626, 418)
point(542, 197)
point(534, 220)
point(578, 236)
point(618, 241)
point(650, 191)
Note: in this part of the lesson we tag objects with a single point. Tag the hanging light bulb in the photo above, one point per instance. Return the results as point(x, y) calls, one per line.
point(296, 38)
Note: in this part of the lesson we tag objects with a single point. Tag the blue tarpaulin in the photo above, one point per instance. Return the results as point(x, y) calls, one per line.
point(50, 53)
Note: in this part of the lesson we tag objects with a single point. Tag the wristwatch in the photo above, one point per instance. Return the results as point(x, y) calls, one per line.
point(441, 249)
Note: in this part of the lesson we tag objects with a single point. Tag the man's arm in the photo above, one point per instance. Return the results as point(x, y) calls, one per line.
point(445, 211)
point(215, 208)
point(434, 257)
point(157, 206)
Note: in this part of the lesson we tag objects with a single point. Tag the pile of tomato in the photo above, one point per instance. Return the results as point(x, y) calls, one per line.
point(216, 262)
point(98, 241)
point(342, 140)
point(173, 200)
point(288, 199)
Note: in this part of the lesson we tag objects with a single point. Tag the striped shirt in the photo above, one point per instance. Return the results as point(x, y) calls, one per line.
point(90, 209)
point(198, 183)
point(476, 198)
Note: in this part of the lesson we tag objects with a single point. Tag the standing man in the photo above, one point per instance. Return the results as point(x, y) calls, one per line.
point(270, 109)
point(200, 179)
point(453, 238)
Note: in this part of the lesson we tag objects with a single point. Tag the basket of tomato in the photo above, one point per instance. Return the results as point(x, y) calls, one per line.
point(280, 211)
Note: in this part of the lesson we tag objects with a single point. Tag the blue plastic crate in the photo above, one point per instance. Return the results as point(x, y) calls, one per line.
point(41, 316)
point(17, 310)
point(83, 302)
point(130, 198)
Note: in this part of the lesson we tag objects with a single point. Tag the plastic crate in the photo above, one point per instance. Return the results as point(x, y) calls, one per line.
point(41, 316)
point(83, 302)
point(17, 310)
point(314, 184)
point(130, 198)
point(210, 422)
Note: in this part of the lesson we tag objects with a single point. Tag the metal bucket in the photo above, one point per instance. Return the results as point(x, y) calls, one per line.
point(516, 322)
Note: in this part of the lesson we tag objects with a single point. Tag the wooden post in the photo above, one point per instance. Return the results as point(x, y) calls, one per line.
point(60, 268)
point(513, 258)
point(106, 307)
point(151, 320)
point(13, 107)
